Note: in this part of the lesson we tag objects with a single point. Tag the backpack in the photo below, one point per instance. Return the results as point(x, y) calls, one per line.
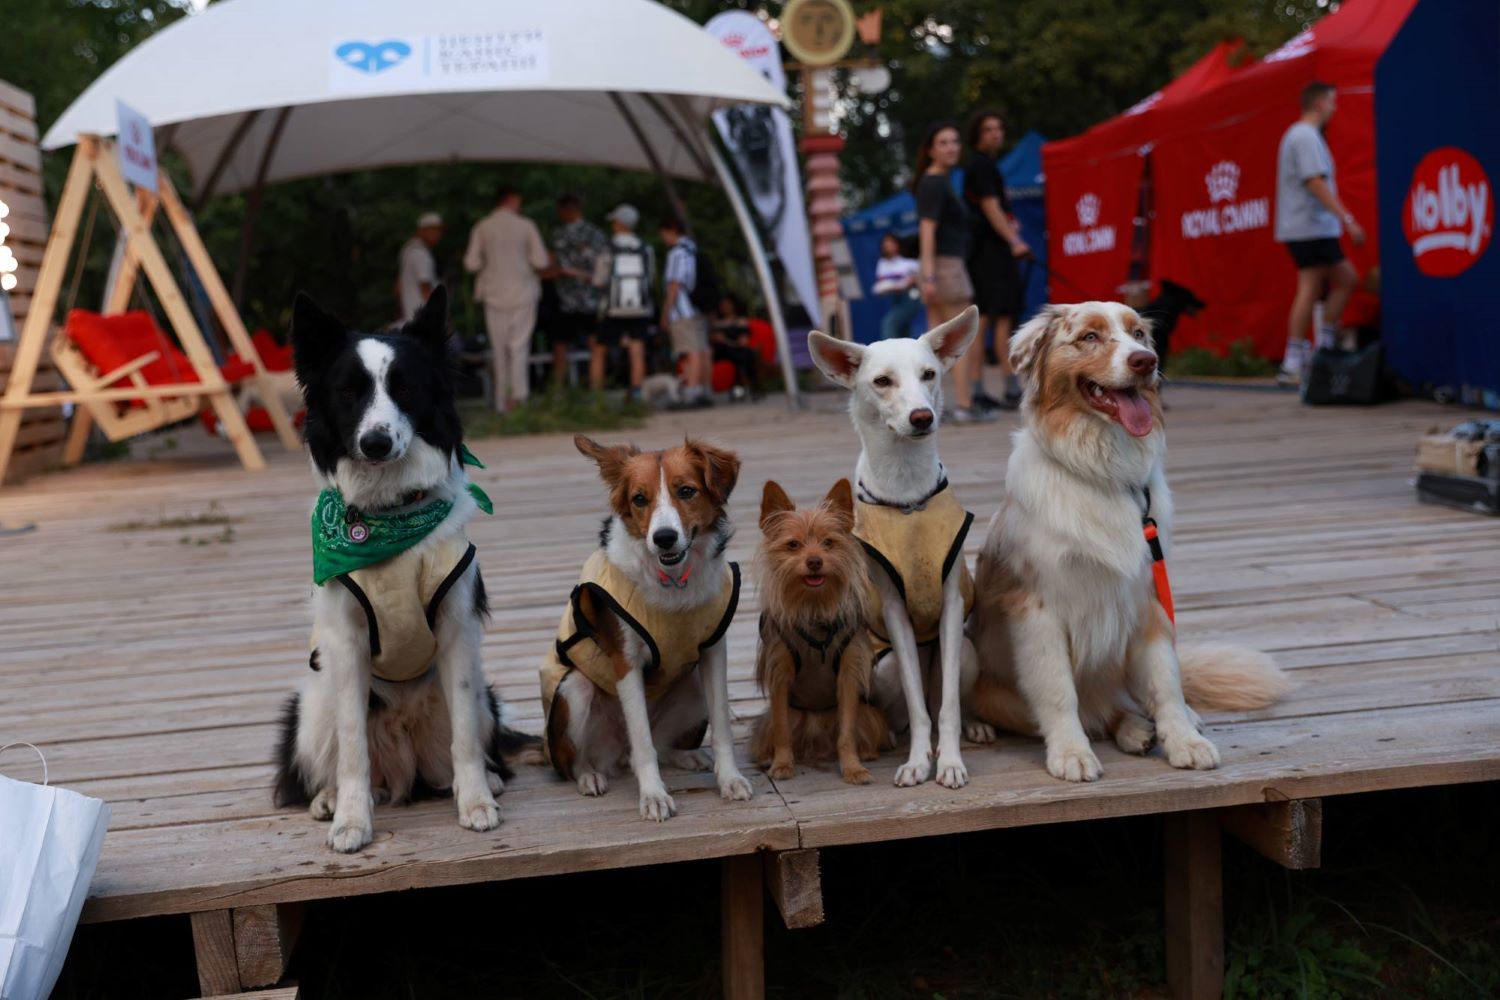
point(707, 291)
point(629, 283)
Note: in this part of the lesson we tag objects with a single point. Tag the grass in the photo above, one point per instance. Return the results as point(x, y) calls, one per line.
point(1403, 908)
point(555, 411)
point(214, 516)
point(1239, 361)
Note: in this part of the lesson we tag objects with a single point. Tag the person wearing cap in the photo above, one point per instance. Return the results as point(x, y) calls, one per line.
point(507, 257)
point(416, 267)
point(625, 273)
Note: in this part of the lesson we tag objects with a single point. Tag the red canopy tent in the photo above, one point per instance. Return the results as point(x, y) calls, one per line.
point(1094, 183)
point(1214, 177)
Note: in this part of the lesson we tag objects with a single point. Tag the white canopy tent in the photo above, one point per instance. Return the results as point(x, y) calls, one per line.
point(253, 92)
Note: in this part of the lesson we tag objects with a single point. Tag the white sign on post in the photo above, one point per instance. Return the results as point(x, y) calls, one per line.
point(137, 147)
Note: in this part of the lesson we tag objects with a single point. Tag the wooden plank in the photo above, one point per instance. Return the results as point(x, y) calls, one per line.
point(742, 905)
point(1194, 905)
point(213, 947)
point(283, 993)
point(1289, 833)
point(795, 881)
point(20, 152)
point(17, 124)
point(17, 100)
point(264, 937)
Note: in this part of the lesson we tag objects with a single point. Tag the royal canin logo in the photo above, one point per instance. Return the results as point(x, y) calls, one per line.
point(1225, 215)
point(1450, 212)
point(1088, 210)
point(1090, 237)
point(735, 40)
point(1223, 180)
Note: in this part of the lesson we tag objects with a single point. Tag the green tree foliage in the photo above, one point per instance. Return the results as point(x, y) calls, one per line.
point(1054, 65)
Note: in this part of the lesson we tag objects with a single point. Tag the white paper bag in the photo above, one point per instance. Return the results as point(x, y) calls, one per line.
point(49, 844)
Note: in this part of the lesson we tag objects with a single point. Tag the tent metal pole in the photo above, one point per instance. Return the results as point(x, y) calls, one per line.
point(666, 179)
point(762, 271)
point(217, 170)
point(252, 209)
point(684, 136)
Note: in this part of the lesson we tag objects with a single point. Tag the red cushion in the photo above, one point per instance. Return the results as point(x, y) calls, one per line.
point(110, 342)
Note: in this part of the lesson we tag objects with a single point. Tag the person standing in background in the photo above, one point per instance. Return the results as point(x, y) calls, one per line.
point(507, 256)
point(416, 272)
point(896, 279)
point(993, 252)
point(625, 274)
point(943, 236)
point(1309, 220)
point(686, 325)
point(578, 245)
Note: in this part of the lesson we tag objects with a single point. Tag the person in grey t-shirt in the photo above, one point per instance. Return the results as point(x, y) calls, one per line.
point(1309, 220)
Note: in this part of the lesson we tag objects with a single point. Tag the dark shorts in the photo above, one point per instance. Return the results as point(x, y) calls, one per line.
point(612, 331)
point(1315, 253)
point(996, 278)
point(574, 329)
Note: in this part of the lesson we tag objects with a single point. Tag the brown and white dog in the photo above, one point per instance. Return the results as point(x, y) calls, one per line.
point(1072, 636)
point(815, 657)
point(652, 606)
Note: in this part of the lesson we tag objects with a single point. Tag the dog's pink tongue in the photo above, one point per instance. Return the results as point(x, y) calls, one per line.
point(1135, 414)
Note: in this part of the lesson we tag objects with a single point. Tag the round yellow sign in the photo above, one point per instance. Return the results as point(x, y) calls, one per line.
point(817, 32)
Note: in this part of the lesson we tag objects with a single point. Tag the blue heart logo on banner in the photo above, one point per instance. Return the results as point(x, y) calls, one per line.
point(370, 57)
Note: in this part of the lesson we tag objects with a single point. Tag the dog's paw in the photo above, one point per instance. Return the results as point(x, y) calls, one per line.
point(381, 796)
point(349, 835)
point(701, 759)
point(1073, 763)
point(914, 772)
point(322, 805)
point(979, 732)
point(495, 782)
point(592, 783)
point(856, 774)
point(478, 813)
point(657, 805)
point(782, 770)
point(1135, 734)
point(734, 787)
point(1190, 750)
point(951, 772)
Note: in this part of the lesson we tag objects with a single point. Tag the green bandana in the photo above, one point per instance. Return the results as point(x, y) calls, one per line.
point(345, 539)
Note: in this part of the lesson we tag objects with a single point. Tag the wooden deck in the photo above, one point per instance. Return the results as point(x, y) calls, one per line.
point(149, 662)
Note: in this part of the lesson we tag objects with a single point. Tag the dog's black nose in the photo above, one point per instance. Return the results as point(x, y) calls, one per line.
point(921, 419)
point(665, 538)
point(814, 564)
point(1142, 362)
point(375, 444)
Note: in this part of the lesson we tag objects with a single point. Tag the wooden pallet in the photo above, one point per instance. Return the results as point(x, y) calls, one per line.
point(150, 671)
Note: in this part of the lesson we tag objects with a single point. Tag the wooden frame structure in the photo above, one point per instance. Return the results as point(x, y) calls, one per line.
point(95, 162)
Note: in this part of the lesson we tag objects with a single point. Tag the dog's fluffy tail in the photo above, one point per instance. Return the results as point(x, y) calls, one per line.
point(1221, 678)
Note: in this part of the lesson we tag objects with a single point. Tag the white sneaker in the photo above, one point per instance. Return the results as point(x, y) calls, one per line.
point(962, 415)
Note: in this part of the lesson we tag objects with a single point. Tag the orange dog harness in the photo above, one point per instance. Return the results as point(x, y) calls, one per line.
point(1158, 560)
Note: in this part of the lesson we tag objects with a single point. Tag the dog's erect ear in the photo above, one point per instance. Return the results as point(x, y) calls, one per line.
point(430, 324)
point(840, 500)
point(773, 501)
point(949, 340)
point(611, 460)
point(721, 469)
point(838, 359)
point(316, 338)
point(1032, 340)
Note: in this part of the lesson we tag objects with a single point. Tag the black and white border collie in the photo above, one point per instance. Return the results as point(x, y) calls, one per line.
point(382, 429)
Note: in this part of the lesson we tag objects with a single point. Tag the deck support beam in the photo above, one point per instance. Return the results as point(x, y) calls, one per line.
point(1194, 905)
point(795, 882)
point(1289, 831)
point(742, 902)
point(245, 947)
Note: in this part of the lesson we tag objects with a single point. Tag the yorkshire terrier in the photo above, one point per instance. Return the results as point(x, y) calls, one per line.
point(814, 660)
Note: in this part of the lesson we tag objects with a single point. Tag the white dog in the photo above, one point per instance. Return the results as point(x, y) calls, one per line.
point(1073, 623)
point(914, 531)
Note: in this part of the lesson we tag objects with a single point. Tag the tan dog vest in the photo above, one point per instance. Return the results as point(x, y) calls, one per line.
point(675, 639)
point(400, 598)
point(917, 549)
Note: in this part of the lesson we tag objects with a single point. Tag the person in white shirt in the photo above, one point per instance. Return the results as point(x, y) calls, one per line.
point(896, 281)
point(417, 268)
point(507, 256)
point(687, 327)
